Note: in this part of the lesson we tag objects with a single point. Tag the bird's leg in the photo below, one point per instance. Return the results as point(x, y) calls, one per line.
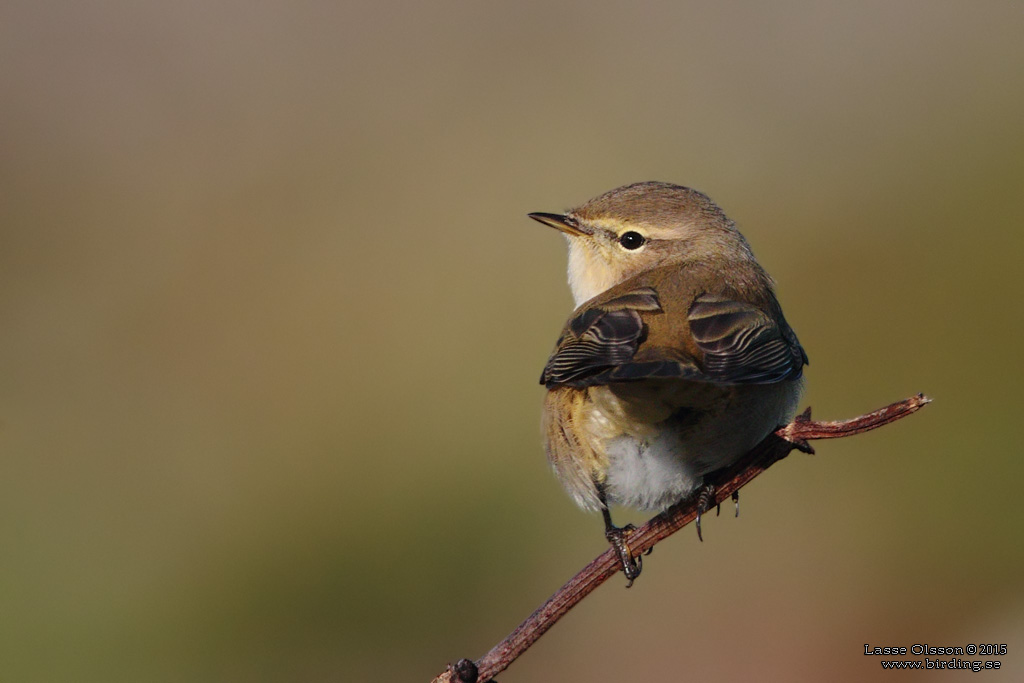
point(705, 497)
point(631, 566)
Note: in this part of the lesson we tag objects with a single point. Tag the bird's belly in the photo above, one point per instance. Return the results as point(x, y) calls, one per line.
point(652, 465)
point(649, 474)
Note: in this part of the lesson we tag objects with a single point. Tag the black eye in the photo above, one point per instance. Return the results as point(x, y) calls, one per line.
point(631, 240)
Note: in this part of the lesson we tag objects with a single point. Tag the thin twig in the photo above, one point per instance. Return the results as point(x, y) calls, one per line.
point(775, 447)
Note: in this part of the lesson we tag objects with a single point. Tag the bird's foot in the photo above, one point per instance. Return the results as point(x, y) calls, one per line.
point(631, 566)
point(705, 498)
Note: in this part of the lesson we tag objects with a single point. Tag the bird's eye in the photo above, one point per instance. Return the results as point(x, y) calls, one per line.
point(631, 240)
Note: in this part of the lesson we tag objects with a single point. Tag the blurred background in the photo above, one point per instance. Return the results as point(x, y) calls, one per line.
point(273, 317)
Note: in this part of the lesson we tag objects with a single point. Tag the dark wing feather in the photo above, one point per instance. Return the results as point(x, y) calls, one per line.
point(598, 338)
point(739, 343)
point(595, 340)
point(743, 344)
point(599, 343)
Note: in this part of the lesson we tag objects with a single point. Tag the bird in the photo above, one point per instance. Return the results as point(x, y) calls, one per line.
point(676, 361)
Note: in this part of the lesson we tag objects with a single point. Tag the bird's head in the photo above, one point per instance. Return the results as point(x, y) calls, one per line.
point(637, 227)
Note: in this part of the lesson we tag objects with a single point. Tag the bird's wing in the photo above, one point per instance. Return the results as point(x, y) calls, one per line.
point(600, 342)
point(730, 342)
point(743, 344)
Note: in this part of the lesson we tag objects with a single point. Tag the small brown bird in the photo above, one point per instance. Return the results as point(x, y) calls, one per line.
point(677, 359)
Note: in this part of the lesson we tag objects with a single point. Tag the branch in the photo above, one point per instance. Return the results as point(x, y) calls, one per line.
point(773, 448)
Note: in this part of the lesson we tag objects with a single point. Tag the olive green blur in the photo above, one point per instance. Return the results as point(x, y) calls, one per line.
point(273, 317)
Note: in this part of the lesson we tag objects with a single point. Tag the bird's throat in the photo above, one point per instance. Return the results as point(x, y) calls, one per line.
point(590, 272)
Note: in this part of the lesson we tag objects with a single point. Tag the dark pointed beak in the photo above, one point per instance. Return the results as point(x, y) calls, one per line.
point(560, 222)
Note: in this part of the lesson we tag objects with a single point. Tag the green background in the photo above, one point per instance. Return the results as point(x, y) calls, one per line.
point(273, 317)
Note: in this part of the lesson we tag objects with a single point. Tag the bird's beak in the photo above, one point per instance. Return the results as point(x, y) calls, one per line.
point(559, 222)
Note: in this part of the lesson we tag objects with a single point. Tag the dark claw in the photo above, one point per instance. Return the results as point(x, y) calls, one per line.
point(704, 499)
point(631, 566)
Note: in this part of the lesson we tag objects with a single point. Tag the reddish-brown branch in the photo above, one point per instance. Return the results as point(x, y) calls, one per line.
point(775, 447)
